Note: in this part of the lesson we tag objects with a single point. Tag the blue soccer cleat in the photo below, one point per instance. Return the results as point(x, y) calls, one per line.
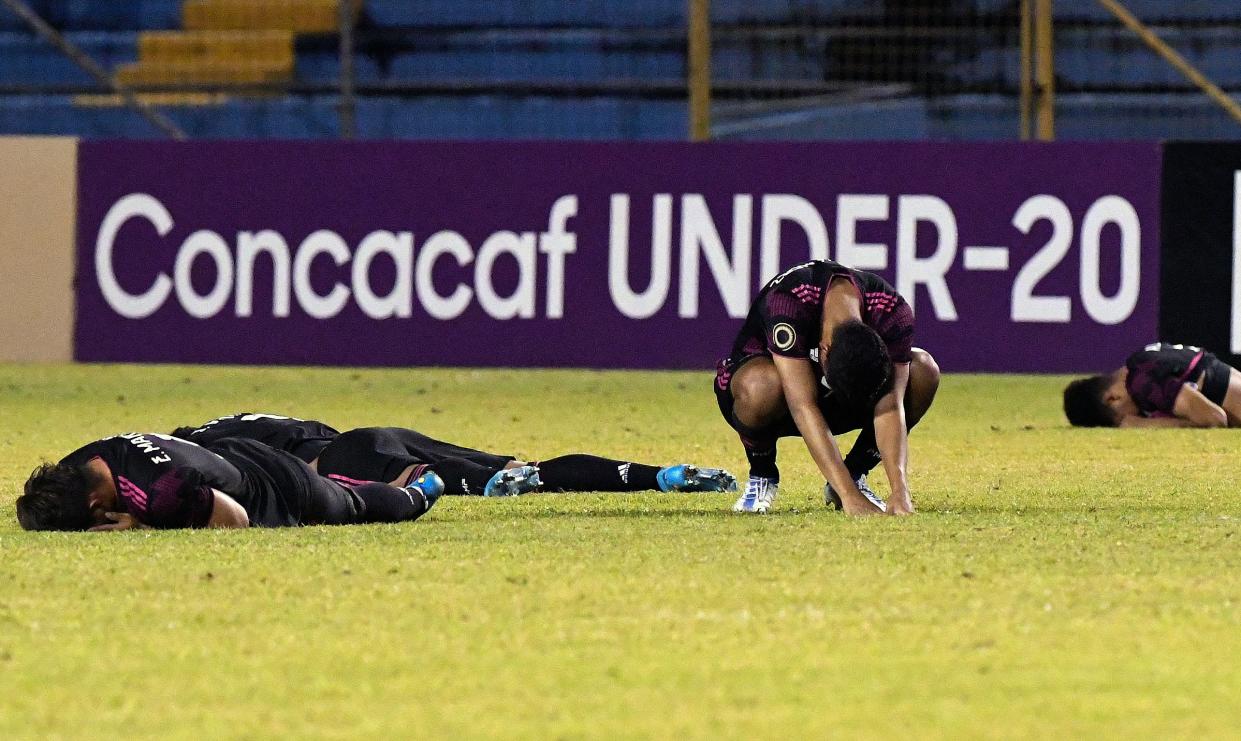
point(760, 493)
point(832, 499)
point(687, 477)
point(429, 485)
point(512, 482)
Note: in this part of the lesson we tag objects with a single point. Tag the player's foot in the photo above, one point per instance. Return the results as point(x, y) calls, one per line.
point(832, 499)
point(759, 493)
point(430, 485)
point(511, 482)
point(686, 477)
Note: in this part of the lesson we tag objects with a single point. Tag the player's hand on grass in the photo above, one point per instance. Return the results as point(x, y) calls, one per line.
point(900, 504)
point(120, 521)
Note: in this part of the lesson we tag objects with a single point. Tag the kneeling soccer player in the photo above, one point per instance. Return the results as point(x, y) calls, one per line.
point(1161, 385)
point(153, 480)
point(826, 349)
point(401, 454)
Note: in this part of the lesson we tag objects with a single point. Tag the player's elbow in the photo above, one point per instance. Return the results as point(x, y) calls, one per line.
point(1213, 419)
point(227, 512)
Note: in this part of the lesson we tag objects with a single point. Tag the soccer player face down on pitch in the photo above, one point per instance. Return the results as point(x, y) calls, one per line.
point(1161, 385)
point(152, 480)
point(826, 349)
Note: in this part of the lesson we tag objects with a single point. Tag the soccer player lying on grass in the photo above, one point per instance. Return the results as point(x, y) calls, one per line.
point(827, 349)
point(1161, 385)
point(153, 480)
point(401, 454)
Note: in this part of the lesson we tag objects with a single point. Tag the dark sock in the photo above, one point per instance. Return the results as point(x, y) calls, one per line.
point(864, 455)
point(762, 457)
point(592, 473)
point(386, 503)
point(462, 477)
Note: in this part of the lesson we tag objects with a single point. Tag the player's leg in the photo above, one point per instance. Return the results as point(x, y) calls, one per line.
point(752, 401)
point(583, 472)
point(336, 500)
point(1224, 382)
point(282, 490)
point(919, 395)
point(399, 454)
point(467, 478)
point(757, 407)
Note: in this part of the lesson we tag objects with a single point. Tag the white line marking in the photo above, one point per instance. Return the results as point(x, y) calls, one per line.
point(986, 258)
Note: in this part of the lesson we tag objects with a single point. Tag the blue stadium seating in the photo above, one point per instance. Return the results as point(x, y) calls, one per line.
point(1096, 58)
point(315, 117)
point(100, 15)
point(602, 13)
point(598, 42)
point(32, 61)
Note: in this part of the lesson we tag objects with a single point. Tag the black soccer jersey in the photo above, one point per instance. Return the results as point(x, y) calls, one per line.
point(787, 316)
point(305, 439)
point(160, 480)
point(1159, 371)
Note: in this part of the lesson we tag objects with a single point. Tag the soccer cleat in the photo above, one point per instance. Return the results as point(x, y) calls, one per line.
point(687, 477)
point(832, 499)
point(429, 485)
point(759, 493)
point(511, 482)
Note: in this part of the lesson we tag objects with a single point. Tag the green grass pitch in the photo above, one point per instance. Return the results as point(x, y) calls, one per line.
point(1056, 581)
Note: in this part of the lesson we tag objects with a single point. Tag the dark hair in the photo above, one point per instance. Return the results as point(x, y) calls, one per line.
point(858, 368)
point(1084, 404)
point(57, 497)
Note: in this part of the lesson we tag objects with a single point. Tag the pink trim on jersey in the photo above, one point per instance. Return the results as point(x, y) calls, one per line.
point(417, 471)
point(346, 480)
point(132, 492)
point(876, 300)
point(1193, 365)
point(807, 293)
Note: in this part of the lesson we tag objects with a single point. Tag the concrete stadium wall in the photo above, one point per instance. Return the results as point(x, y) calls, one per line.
point(38, 213)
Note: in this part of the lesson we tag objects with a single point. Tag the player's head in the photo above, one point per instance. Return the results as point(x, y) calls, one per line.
point(857, 367)
point(1086, 402)
point(58, 496)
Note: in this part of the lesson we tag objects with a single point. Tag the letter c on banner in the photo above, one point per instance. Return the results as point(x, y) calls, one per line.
point(126, 304)
point(324, 241)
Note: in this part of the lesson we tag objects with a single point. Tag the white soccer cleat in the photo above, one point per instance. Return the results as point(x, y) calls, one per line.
point(759, 493)
point(832, 499)
point(511, 482)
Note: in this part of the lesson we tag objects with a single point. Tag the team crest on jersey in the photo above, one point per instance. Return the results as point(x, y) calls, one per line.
point(784, 336)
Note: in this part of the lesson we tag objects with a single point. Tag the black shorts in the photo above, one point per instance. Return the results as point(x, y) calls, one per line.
point(280, 490)
point(1215, 377)
point(839, 418)
point(382, 453)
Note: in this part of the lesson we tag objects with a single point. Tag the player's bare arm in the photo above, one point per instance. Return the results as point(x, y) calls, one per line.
point(798, 382)
point(226, 512)
point(892, 439)
point(1194, 407)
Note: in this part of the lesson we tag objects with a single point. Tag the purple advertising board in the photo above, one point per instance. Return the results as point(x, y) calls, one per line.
point(1016, 257)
